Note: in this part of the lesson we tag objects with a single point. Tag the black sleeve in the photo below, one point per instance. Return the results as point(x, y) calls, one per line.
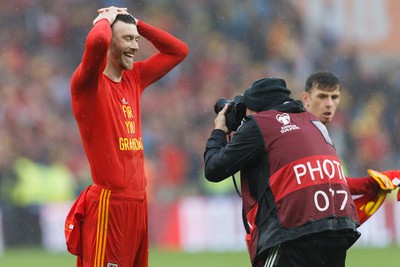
point(223, 159)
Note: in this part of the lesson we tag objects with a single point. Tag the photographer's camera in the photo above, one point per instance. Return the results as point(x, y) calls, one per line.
point(234, 114)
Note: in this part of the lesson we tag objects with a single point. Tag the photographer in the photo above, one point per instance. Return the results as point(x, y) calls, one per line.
point(297, 208)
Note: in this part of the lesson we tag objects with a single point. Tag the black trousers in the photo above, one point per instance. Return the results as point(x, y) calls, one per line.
point(325, 249)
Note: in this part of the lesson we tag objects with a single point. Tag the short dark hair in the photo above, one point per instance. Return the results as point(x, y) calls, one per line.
point(323, 80)
point(125, 18)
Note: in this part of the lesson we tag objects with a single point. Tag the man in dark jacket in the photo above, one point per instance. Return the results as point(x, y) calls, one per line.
point(297, 208)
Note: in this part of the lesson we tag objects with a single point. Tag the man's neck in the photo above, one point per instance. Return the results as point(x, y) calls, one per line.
point(112, 73)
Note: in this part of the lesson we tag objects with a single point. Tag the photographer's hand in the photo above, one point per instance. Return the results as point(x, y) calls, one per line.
point(220, 120)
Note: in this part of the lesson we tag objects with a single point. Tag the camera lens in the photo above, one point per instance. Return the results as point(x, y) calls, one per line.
point(220, 104)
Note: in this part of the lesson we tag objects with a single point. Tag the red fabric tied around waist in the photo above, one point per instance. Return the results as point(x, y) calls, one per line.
point(73, 224)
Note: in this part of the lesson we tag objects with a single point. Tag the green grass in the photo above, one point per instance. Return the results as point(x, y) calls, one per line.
point(35, 258)
point(178, 259)
point(373, 257)
point(357, 257)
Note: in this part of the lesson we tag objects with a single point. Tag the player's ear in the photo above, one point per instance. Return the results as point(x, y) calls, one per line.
point(304, 96)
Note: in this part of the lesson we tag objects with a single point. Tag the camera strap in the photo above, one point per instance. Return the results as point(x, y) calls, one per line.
point(233, 176)
point(236, 187)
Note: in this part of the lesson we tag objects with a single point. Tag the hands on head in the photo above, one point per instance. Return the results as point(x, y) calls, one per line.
point(112, 8)
point(110, 13)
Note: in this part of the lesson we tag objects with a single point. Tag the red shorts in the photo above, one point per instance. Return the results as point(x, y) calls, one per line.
point(111, 230)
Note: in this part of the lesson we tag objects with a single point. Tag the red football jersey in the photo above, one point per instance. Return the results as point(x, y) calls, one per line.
point(108, 112)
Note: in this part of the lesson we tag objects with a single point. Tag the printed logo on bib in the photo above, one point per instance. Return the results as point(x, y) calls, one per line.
point(284, 118)
point(306, 172)
point(109, 264)
point(313, 187)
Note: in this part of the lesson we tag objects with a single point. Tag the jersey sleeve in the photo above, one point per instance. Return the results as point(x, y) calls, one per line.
point(171, 51)
point(362, 185)
point(94, 58)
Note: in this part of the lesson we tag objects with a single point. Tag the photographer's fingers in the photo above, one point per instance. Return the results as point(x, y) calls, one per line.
point(220, 120)
point(223, 111)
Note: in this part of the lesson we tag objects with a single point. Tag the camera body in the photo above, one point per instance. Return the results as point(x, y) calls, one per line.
point(234, 114)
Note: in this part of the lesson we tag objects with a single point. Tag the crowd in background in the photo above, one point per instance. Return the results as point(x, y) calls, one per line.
point(232, 43)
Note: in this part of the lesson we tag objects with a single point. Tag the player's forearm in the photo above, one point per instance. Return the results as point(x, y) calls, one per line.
point(94, 56)
point(97, 43)
point(362, 185)
point(163, 41)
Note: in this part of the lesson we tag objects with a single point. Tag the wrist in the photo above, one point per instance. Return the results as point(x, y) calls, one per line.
point(222, 128)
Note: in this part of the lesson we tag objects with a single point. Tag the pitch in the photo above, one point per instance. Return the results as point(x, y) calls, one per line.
point(36, 257)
